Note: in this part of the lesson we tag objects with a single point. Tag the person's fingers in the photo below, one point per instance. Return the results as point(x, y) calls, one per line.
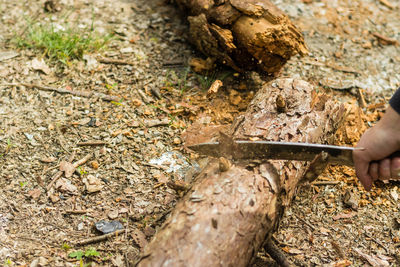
point(373, 170)
point(361, 168)
point(395, 167)
point(384, 169)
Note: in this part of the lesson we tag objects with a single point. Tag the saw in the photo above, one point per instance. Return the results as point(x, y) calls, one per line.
point(256, 150)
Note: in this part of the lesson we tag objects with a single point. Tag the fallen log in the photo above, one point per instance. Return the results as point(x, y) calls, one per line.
point(243, 34)
point(234, 207)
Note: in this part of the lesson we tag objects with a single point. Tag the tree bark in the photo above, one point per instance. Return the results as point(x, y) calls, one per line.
point(243, 34)
point(232, 209)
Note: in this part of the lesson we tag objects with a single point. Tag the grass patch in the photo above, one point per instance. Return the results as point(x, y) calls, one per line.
point(61, 43)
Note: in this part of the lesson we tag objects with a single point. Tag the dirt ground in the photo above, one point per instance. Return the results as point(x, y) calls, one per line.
point(134, 147)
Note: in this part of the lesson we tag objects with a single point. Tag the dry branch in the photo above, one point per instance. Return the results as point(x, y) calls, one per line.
point(229, 212)
point(243, 34)
point(66, 91)
point(95, 239)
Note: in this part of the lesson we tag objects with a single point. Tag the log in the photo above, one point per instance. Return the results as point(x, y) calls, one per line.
point(233, 208)
point(243, 34)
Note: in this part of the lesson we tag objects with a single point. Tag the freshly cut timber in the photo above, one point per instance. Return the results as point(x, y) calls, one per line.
point(243, 34)
point(234, 206)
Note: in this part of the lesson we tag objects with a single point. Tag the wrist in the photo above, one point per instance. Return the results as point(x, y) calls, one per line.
point(390, 123)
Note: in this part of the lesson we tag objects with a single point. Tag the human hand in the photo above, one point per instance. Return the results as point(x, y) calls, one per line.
point(379, 142)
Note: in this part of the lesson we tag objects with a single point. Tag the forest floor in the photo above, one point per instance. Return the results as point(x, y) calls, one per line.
point(128, 133)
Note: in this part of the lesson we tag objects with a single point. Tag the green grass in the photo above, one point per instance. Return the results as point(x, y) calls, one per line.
point(61, 44)
point(206, 80)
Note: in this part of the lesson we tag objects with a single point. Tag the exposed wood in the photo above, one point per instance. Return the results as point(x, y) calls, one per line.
point(243, 34)
point(229, 212)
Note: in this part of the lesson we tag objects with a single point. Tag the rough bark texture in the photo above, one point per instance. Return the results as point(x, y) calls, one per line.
point(243, 34)
point(229, 212)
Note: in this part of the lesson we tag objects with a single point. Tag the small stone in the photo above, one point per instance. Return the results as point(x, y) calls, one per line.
point(113, 214)
point(107, 227)
point(136, 102)
point(80, 226)
point(367, 45)
point(95, 164)
point(123, 210)
point(177, 140)
point(54, 198)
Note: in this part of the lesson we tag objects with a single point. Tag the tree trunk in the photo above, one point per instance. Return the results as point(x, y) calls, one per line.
point(231, 209)
point(243, 34)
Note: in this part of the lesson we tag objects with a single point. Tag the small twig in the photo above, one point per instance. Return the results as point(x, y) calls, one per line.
point(280, 243)
point(115, 61)
point(59, 173)
point(125, 169)
point(76, 211)
point(173, 63)
point(155, 166)
point(377, 241)
point(363, 104)
point(386, 3)
point(66, 91)
point(92, 143)
point(157, 122)
point(76, 164)
point(276, 253)
point(304, 221)
point(333, 66)
point(82, 161)
point(337, 248)
point(99, 238)
point(385, 40)
point(146, 99)
point(54, 179)
point(325, 183)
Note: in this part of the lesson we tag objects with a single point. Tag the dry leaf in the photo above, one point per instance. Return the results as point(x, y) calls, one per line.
point(35, 193)
point(373, 260)
point(67, 167)
point(48, 159)
point(344, 216)
point(39, 64)
point(342, 263)
point(65, 185)
point(4, 55)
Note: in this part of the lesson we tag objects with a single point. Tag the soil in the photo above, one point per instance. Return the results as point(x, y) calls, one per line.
point(136, 166)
